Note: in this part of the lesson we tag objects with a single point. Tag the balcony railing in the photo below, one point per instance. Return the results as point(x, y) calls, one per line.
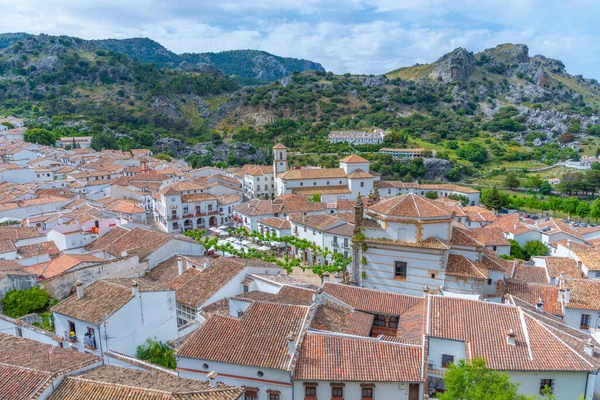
point(335, 244)
point(89, 342)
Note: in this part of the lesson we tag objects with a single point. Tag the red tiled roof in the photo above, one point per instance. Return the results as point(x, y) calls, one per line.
point(325, 357)
point(409, 205)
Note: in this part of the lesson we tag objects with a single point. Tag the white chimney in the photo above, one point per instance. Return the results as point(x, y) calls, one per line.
point(291, 344)
point(79, 289)
point(135, 288)
point(124, 253)
point(510, 337)
point(589, 347)
point(569, 243)
point(180, 266)
point(426, 290)
point(540, 305)
point(211, 378)
point(206, 263)
point(567, 299)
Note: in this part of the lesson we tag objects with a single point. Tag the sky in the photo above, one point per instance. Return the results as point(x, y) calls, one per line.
point(356, 36)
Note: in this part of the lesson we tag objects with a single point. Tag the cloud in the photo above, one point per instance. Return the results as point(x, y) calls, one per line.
point(358, 36)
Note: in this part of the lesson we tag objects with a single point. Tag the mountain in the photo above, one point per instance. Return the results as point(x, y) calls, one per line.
point(247, 67)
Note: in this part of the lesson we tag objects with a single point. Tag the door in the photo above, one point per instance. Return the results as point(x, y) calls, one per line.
point(413, 391)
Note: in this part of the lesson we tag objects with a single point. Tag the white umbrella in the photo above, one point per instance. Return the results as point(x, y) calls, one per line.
point(246, 242)
point(223, 227)
point(264, 248)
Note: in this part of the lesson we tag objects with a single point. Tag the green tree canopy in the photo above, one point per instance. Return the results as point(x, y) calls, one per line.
point(511, 181)
point(39, 136)
point(535, 248)
point(158, 353)
point(493, 199)
point(475, 381)
point(18, 303)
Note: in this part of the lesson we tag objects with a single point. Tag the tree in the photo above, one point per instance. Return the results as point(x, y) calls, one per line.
point(158, 353)
point(570, 205)
point(535, 248)
point(516, 250)
point(511, 181)
point(595, 209)
point(535, 182)
point(453, 174)
point(315, 197)
point(475, 381)
point(555, 203)
point(39, 136)
point(104, 140)
point(583, 209)
point(7, 124)
point(493, 199)
point(464, 200)
point(18, 303)
point(545, 188)
point(473, 152)
point(431, 195)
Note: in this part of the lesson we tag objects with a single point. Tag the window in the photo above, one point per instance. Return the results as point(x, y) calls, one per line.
point(433, 275)
point(251, 395)
point(447, 360)
point(301, 184)
point(547, 383)
point(400, 269)
point(393, 324)
point(89, 340)
point(367, 393)
point(379, 320)
point(337, 391)
point(362, 184)
point(585, 321)
point(489, 281)
point(273, 396)
point(185, 314)
point(494, 248)
point(310, 391)
point(72, 327)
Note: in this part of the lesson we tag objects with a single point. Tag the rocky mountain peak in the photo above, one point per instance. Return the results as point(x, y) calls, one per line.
point(454, 66)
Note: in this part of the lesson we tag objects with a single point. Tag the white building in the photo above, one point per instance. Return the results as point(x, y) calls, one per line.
point(259, 182)
point(407, 153)
point(116, 315)
point(358, 137)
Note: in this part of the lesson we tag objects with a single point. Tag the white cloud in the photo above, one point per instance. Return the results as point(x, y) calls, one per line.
point(358, 36)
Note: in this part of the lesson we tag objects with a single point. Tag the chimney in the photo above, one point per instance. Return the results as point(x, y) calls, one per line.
point(589, 347)
point(540, 305)
point(567, 298)
point(135, 288)
point(569, 243)
point(124, 253)
point(425, 290)
point(510, 337)
point(206, 263)
point(180, 269)
point(211, 378)
point(291, 344)
point(79, 289)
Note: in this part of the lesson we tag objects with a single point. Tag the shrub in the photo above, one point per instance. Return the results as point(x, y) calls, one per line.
point(158, 353)
point(18, 303)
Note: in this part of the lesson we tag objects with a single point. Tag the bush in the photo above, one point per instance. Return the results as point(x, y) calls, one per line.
point(158, 353)
point(431, 195)
point(18, 303)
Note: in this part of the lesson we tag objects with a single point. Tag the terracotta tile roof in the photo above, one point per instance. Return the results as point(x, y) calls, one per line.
point(484, 326)
point(138, 238)
point(25, 370)
point(491, 261)
point(192, 198)
point(282, 279)
point(463, 237)
point(277, 223)
point(62, 264)
point(229, 199)
point(585, 293)
point(429, 243)
point(325, 357)
point(564, 265)
point(18, 233)
point(509, 223)
point(411, 326)
point(109, 382)
point(370, 300)
point(286, 295)
point(106, 239)
point(339, 318)
point(279, 146)
point(346, 229)
point(181, 186)
point(359, 174)
point(260, 336)
point(310, 190)
point(317, 173)
point(490, 236)
point(6, 245)
point(530, 273)
point(199, 288)
point(101, 299)
point(287, 204)
point(32, 250)
point(124, 207)
point(464, 267)
point(533, 292)
point(317, 221)
point(168, 270)
point(588, 255)
point(353, 158)
point(220, 307)
point(409, 205)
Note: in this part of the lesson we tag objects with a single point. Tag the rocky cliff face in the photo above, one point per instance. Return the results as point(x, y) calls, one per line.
point(454, 66)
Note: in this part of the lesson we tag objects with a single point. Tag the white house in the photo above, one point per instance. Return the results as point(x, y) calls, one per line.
point(116, 315)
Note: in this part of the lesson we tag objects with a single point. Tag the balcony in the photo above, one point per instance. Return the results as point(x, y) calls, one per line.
point(70, 338)
point(89, 342)
point(335, 244)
